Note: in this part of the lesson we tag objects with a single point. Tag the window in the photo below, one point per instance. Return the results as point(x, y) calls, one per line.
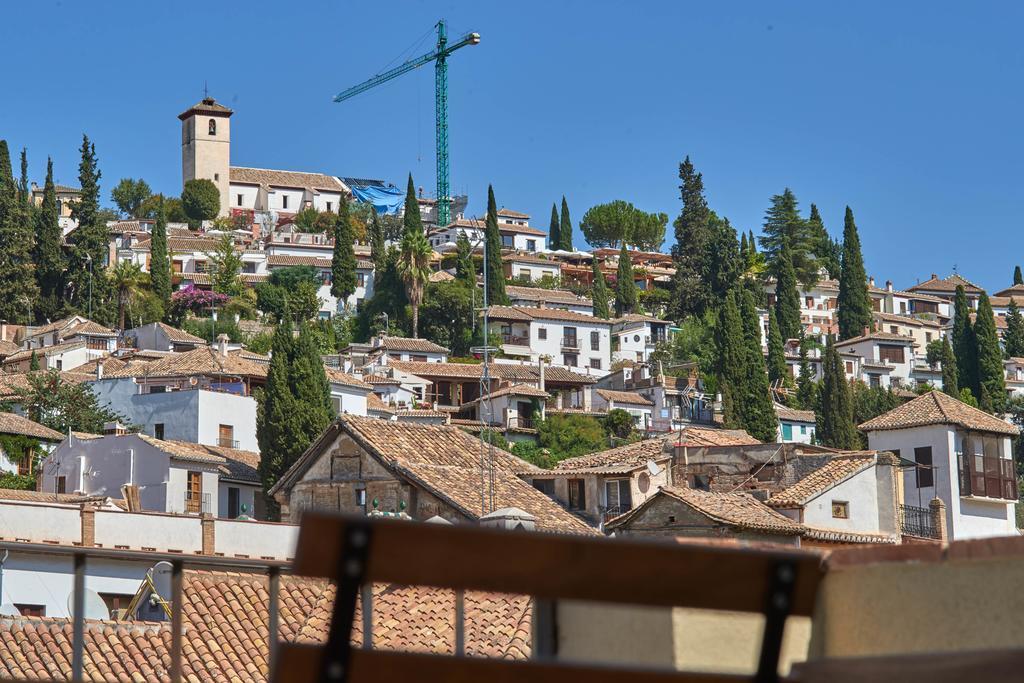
point(849, 367)
point(894, 329)
point(874, 381)
point(239, 202)
point(903, 307)
point(840, 509)
point(194, 492)
point(158, 389)
point(570, 359)
point(542, 333)
point(361, 498)
point(284, 201)
point(577, 494)
point(216, 177)
point(418, 358)
point(927, 337)
point(595, 363)
point(360, 279)
point(617, 495)
point(226, 436)
point(809, 302)
point(158, 429)
point(983, 470)
point(595, 341)
point(330, 206)
point(233, 505)
point(116, 601)
point(61, 484)
point(213, 126)
point(524, 273)
point(96, 343)
point(531, 245)
point(506, 240)
point(925, 475)
point(60, 364)
point(545, 486)
point(30, 610)
point(787, 432)
point(890, 353)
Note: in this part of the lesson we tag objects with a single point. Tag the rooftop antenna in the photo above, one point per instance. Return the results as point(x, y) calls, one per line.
point(206, 91)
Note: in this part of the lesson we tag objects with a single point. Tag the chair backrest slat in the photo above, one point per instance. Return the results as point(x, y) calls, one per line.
point(553, 566)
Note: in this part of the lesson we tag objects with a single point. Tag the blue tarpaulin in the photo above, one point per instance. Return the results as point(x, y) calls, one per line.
point(386, 200)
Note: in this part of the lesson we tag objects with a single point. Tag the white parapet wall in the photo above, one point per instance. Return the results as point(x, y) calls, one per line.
point(149, 531)
point(256, 540)
point(40, 523)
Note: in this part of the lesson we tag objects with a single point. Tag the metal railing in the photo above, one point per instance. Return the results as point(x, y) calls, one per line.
point(515, 339)
point(919, 522)
point(570, 342)
point(227, 443)
point(197, 503)
point(612, 511)
point(522, 421)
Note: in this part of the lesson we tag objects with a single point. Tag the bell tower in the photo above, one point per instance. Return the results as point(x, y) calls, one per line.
point(206, 146)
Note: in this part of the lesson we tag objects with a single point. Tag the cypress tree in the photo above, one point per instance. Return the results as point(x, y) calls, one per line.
point(159, 259)
point(343, 261)
point(731, 369)
point(777, 370)
point(991, 374)
point(565, 228)
point(49, 255)
point(724, 263)
point(465, 270)
point(18, 290)
point(784, 226)
point(964, 347)
point(854, 304)
point(759, 418)
point(599, 292)
point(824, 248)
point(377, 248)
point(496, 295)
point(309, 385)
point(412, 219)
point(835, 426)
point(23, 194)
point(691, 290)
point(1013, 338)
point(1018, 278)
point(625, 287)
point(806, 387)
point(90, 240)
point(949, 374)
point(33, 363)
point(744, 253)
point(554, 238)
point(787, 298)
point(277, 416)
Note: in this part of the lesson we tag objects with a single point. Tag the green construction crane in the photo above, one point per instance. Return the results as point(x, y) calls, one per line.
point(440, 59)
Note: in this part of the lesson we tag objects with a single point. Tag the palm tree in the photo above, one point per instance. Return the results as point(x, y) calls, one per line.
point(127, 278)
point(414, 268)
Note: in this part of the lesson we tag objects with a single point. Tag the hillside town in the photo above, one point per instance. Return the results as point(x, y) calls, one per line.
point(303, 424)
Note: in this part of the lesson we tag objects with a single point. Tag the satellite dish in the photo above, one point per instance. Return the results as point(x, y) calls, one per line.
point(9, 610)
point(653, 468)
point(95, 608)
point(160, 575)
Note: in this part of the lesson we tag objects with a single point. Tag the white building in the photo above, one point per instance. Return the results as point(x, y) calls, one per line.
point(202, 396)
point(635, 336)
point(348, 393)
point(541, 297)
point(962, 455)
point(678, 402)
point(879, 358)
point(529, 267)
point(795, 426)
point(162, 337)
point(639, 407)
point(406, 349)
point(171, 476)
point(517, 234)
point(567, 338)
point(329, 304)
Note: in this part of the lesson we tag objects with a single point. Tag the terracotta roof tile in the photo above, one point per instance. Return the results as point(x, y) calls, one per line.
point(530, 313)
point(52, 350)
point(837, 470)
point(201, 361)
point(407, 344)
point(12, 423)
point(374, 404)
point(615, 460)
point(179, 336)
point(507, 371)
point(275, 178)
point(627, 397)
point(794, 415)
point(877, 336)
point(947, 284)
point(937, 408)
point(513, 390)
point(554, 296)
point(338, 377)
point(739, 510)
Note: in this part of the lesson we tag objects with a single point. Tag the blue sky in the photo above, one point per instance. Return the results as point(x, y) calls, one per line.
point(908, 112)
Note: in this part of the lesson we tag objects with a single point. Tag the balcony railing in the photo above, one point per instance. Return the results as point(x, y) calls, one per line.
point(919, 522)
point(196, 503)
point(227, 443)
point(613, 511)
point(570, 343)
point(521, 421)
point(515, 339)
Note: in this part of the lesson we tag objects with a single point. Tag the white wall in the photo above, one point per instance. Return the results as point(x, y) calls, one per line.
point(217, 408)
point(234, 537)
point(48, 580)
point(276, 199)
point(246, 496)
point(321, 200)
point(536, 271)
point(250, 195)
point(158, 531)
point(860, 492)
point(348, 400)
point(552, 345)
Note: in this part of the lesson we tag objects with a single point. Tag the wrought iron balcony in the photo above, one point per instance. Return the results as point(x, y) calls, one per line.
point(919, 522)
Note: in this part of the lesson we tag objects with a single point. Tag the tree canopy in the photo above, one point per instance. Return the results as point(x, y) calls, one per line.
point(617, 222)
point(200, 199)
point(130, 196)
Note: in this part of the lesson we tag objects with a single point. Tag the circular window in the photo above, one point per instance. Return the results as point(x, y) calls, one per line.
point(636, 337)
point(643, 482)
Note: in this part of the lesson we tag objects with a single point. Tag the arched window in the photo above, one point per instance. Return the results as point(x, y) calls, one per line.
point(213, 126)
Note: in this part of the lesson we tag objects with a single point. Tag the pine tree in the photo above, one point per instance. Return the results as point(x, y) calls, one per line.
point(949, 374)
point(806, 387)
point(159, 260)
point(48, 255)
point(18, 289)
point(465, 270)
point(554, 239)
point(991, 373)
point(783, 225)
point(691, 291)
point(599, 292)
point(731, 368)
point(377, 248)
point(495, 284)
point(343, 261)
point(759, 418)
point(625, 287)
point(777, 369)
point(1018, 278)
point(565, 228)
point(412, 220)
point(964, 347)
point(1013, 338)
point(835, 426)
point(787, 298)
point(854, 304)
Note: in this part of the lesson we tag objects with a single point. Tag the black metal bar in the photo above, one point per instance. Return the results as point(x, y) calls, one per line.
point(545, 629)
point(176, 625)
point(777, 607)
point(273, 596)
point(351, 569)
point(460, 622)
point(366, 602)
point(78, 615)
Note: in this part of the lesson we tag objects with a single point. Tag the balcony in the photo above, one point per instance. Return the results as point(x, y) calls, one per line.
point(918, 522)
point(521, 422)
point(570, 343)
point(197, 503)
point(227, 443)
point(515, 340)
point(613, 511)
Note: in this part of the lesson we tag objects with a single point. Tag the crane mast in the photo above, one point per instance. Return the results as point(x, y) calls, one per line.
point(440, 58)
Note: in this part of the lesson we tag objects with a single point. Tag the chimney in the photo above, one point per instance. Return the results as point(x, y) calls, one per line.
point(115, 428)
point(509, 518)
point(540, 373)
point(867, 330)
point(421, 192)
point(99, 369)
point(888, 285)
point(871, 280)
point(541, 303)
point(222, 344)
point(3, 330)
point(934, 276)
